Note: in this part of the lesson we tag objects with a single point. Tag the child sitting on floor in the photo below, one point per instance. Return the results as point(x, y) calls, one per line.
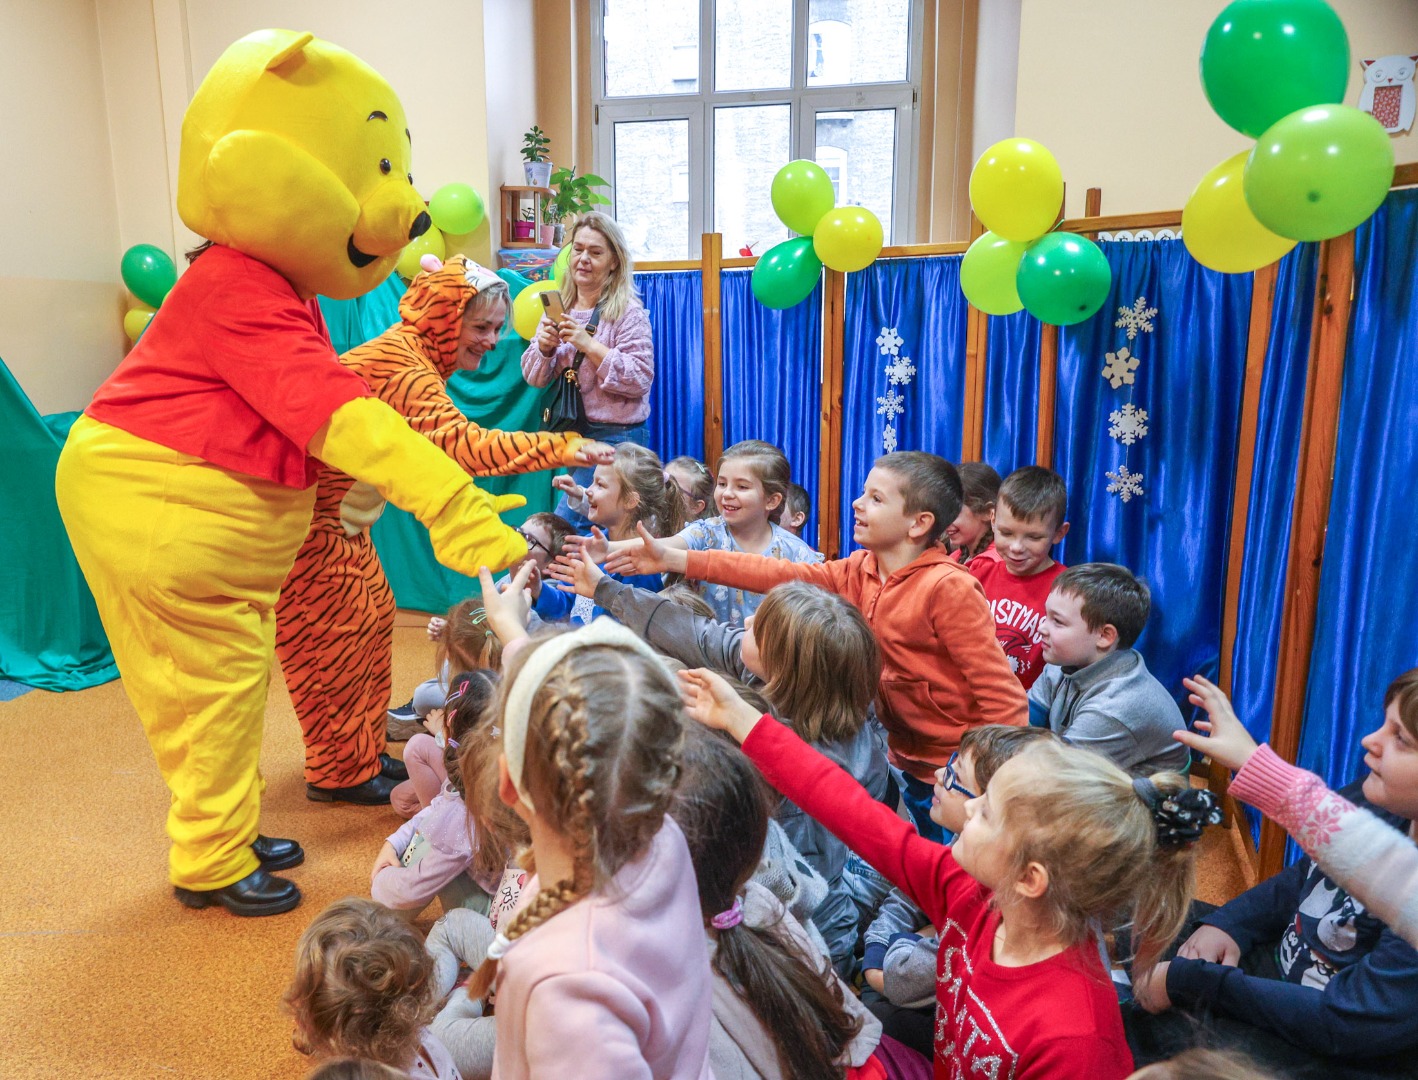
point(1017, 571)
point(696, 486)
point(1096, 691)
point(972, 531)
point(1297, 972)
point(363, 988)
point(942, 671)
point(1060, 840)
point(814, 657)
point(432, 854)
point(899, 959)
point(630, 492)
point(605, 953)
point(779, 1010)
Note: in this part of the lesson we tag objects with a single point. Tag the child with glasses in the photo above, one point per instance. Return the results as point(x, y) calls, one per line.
point(900, 959)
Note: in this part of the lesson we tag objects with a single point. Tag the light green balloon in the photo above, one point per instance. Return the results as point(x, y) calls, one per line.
point(801, 194)
point(560, 267)
point(988, 273)
point(1319, 172)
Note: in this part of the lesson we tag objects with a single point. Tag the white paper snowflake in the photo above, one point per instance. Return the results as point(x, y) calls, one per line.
point(1138, 317)
point(888, 439)
point(1129, 424)
point(1124, 484)
point(889, 341)
point(1120, 367)
point(890, 405)
point(901, 371)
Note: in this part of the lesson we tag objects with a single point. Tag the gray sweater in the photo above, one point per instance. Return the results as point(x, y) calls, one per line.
point(1115, 707)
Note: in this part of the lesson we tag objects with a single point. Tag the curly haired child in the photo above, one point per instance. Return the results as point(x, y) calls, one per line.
point(363, 987)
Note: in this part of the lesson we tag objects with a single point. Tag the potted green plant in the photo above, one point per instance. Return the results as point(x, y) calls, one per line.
point(523, 230)
point(536, 162)
point(572, 196)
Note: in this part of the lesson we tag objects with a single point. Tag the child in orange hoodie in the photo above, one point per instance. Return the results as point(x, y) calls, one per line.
point(942, 670)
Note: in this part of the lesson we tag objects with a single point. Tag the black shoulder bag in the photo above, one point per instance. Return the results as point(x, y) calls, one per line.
point(563, 409)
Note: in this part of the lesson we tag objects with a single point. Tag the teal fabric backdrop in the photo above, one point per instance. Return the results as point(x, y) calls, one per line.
point(50, 634)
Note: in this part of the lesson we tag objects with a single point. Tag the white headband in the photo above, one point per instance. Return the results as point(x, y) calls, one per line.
point(517, 711)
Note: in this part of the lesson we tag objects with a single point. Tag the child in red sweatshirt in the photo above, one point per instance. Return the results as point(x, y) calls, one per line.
point(942, 671)
point(1061, 840)
point(1017, 572)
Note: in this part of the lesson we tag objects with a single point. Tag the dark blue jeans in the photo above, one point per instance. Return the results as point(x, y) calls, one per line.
point(606, 433)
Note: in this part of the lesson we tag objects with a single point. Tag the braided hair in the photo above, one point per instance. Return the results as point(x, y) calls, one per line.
point(604, 739)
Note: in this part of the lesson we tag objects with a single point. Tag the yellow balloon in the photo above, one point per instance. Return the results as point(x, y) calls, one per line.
point(136, 321)
point(1017, 189)
point(1219, 228)
point(430, 243)
point(527, 309)
point(847, 238)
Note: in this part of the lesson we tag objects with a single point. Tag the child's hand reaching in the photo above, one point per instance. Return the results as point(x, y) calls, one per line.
point(576, 571)
point(595, 547)
point(712, 701)
point(507, 609)
point(387, 857)
point(650, 556)
point(574, 492)
point(1226, 740)
point(434, 722)
point(435, 627)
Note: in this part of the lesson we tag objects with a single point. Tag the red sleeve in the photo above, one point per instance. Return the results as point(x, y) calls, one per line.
point(274, 353)
point(757, 573)
point(1084, 1057)
point(921, 868)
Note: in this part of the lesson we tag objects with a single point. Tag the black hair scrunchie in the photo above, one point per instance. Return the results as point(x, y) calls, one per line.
point(1181, 816)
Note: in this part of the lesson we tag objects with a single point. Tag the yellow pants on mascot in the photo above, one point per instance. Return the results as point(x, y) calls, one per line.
point(187, 487)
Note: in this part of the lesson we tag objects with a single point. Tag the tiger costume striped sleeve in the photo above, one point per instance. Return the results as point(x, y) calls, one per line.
point(335, 616)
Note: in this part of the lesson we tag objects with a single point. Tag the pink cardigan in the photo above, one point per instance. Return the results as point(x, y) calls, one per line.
point(615, 987)
point(617, 391)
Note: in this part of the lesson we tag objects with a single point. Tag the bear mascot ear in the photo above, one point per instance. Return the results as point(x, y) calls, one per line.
point(296, 153)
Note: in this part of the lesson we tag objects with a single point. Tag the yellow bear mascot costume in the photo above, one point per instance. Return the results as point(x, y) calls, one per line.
point(186, 487)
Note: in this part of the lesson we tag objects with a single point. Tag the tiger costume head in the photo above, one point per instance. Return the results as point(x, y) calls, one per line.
point(296, 153)
point(434, 303)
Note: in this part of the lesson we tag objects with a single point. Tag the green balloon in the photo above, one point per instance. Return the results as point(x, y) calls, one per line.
point(561, 266)
point(148, 272)
point(1319, 172)
point(786, 274)
point(456, 209)
point(1063, 278)
point(801, 194)
point(988, 271)
point(1263, 59)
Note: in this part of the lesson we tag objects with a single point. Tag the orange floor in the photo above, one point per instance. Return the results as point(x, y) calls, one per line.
point(102, 974)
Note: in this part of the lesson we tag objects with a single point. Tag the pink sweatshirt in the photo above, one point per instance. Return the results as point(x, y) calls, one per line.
point(1368, 857)
point(617, 391)
point(617, 986)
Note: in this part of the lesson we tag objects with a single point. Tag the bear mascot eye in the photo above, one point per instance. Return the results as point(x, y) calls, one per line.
point(385, 167)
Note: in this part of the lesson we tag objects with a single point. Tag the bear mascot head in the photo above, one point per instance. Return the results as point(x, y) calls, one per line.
point(296, 152)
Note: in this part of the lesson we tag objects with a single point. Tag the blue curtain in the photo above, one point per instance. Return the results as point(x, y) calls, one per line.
point(904, 378)
point(773, 378)
point(675, 304)
point(1282, 399)
point(1189, 329)
point(1011, 391)
point(1367, 629)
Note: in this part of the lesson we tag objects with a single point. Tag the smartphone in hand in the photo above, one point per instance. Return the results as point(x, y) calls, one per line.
point(552, 302)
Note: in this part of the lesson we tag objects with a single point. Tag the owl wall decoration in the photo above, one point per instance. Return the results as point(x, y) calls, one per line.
point(1388, 92)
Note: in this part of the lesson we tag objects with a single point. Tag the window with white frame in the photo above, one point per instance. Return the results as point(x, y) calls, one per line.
point(699, 102)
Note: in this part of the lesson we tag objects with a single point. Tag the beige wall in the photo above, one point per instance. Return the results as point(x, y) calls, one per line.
point(511, 96)
point(1112, 88)
point(60, 307)
point(102, 86)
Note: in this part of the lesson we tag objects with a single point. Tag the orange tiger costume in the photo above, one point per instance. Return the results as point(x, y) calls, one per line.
point(335, 617)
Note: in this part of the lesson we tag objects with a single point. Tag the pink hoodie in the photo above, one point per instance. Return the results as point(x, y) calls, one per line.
point(616, 986)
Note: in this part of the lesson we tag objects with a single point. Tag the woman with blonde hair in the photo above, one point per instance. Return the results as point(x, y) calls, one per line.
point(604, 334)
